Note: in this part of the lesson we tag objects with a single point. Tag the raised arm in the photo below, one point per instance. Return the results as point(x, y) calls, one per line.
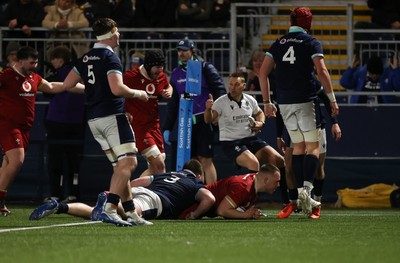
point(210, 116)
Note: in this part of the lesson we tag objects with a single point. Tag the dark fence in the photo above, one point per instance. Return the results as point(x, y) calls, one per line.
point(368, 153)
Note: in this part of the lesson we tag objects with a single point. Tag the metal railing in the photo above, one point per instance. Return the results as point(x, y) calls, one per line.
point(213, 47)
point(255, 28)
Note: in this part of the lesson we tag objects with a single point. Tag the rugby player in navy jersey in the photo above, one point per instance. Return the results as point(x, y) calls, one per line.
point(294, 56)
point(100, 70)
point(287, 149)
point(162, 196)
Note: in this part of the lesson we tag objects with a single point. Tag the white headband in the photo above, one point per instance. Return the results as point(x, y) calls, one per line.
point(107, 35)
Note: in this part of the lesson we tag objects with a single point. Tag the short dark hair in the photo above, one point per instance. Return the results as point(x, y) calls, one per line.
point(61, 52)
point(238, 75)
point(195, 166)
point(27, 52)
point(103, 25)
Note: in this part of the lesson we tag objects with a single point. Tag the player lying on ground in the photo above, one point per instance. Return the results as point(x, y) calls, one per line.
point(236, 196)
point(162, 196)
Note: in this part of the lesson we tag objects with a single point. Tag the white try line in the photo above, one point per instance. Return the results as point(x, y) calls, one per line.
point(51, 226)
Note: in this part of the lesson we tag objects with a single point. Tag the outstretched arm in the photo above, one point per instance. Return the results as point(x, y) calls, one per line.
point(118, 88)
point(206, 201)
point(226, 210)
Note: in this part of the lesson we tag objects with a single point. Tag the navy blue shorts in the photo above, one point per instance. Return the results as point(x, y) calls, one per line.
point(233, 149)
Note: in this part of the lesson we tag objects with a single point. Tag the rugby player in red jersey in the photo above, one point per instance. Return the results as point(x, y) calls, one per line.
point(18, 88)
point(236, 196)
point(145, 119)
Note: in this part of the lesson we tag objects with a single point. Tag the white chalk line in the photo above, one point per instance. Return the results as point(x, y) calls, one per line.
point(295, 215)
point(50, 226)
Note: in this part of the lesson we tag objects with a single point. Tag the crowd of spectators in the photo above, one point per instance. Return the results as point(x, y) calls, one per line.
point(127, 13)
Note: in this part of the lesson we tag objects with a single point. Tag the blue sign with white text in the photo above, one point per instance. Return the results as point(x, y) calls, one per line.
point(193, 77)
point(184, 132)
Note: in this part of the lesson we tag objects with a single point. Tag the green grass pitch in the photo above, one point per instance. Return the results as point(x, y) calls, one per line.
point(340, 235)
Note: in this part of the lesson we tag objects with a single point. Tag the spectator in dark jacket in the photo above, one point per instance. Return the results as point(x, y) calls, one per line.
point(372, 77)
point(65, 126)
point(24, 14)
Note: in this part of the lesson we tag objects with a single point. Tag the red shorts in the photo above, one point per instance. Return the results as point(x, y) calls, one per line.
point(12, 137)
point(148, 135)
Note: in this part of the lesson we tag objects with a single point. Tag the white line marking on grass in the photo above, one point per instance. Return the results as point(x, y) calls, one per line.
point(51, 226)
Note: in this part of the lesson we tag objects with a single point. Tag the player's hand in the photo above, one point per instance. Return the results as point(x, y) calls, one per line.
point(336, 132)
point(166, 137)
point(335, 109)
point(270, 110)
point(280, 143)
point(254, 213)
point(166, 93)
point(209, 102)
point(191, 216)
point(143, 96)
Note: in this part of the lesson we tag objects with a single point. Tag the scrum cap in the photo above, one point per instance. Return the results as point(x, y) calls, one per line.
point(302, 17)
point(153, 58)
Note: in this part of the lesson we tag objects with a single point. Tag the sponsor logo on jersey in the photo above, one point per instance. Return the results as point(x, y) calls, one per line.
point(151, 89)
point(284, 40)
point(26, 86)
point(87, 58)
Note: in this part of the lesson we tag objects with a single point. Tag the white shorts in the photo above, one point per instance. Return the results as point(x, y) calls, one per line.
point(147, 201)
point(322, 142)
point(301, 121)
point(114, 132)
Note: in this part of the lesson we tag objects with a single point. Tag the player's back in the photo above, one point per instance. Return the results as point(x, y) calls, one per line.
point(94, 68)
point(293, 54)
point(177, 191)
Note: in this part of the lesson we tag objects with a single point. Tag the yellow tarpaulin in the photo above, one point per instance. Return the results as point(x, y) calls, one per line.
point(373, 196)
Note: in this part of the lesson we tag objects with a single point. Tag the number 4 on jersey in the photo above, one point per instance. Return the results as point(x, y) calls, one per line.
point(289, 55)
